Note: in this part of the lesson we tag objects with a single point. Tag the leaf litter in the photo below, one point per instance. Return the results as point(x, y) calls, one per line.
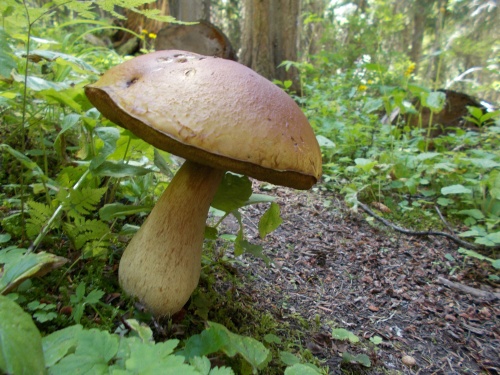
point(329, 264)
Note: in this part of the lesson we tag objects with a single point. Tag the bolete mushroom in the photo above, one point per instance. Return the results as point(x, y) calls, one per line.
point(218, 115)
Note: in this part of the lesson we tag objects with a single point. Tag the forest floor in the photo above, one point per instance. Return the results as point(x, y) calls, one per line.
point(332, 268)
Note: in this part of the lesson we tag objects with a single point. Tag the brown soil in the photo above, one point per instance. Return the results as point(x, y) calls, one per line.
point(331, 264)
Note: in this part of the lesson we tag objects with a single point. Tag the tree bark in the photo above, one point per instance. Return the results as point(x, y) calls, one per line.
point(190, 10)
point(270, 36)
point(126, 43)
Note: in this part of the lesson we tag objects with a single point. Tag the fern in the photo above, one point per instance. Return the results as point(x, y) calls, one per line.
point(90, 236)
point(39, 215)
point(155, 14)
point(78, 203)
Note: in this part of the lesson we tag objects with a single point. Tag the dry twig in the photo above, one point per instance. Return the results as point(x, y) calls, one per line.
point(490, 296)
point(465, 244)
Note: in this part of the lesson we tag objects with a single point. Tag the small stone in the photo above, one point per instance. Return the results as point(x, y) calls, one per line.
point(408, 361)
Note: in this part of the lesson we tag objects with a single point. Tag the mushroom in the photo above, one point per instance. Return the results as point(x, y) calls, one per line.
point(218, 115)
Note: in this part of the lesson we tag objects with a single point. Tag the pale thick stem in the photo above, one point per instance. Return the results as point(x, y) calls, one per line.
point(162, 263)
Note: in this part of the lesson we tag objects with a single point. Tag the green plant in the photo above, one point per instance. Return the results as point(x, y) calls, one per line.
point(131, 349)
point(80, 301)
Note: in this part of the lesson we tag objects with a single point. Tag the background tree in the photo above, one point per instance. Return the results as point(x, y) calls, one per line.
point(190, 10)
point(270, 36)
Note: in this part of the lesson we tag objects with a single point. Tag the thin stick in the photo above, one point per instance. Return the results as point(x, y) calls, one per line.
point(54, 217)
point(467, 245)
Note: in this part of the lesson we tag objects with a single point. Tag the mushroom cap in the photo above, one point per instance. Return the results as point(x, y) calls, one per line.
point(211, 111)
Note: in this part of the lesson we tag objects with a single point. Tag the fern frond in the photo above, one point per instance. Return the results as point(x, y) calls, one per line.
point(155, 14)
point(109, 5)
point(68, 176)
point(81, 202)
point(93, 236)
point(83, 8)
point(39, 216)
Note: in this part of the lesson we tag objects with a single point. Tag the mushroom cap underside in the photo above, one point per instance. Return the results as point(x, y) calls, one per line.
point(212, 111)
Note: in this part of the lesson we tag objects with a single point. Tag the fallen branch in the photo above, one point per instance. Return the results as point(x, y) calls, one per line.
point(490, 296)
point(465, 244)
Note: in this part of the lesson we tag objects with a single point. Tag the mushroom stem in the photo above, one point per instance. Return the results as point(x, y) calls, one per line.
point(162, 263)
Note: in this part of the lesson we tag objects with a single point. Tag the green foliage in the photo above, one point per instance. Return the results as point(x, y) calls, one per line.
point(132, 350)
point(218, 338)
point(344, 334)
point(79, 301)
point(20, 342)
point(20, 265)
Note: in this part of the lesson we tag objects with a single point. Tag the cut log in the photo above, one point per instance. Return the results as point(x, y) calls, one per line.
point(203, 38)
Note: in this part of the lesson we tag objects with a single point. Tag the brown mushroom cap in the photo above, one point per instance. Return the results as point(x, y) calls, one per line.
point(214, 112)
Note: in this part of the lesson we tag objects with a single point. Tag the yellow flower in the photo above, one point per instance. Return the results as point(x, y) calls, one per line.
point(362, 87)
point(152, 35)
point(144, 31)
point(370, 82)
point(410, 69)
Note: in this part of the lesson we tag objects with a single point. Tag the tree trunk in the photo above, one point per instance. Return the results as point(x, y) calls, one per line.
point(421, 11)
point(270, 35)
point(190, 10)
point(126, 43)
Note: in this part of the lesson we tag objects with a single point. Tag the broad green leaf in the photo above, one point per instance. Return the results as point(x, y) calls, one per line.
point(361, 359)
point(289, 359)
point(372, 105)
point(473, 254)
point(492, 239)
point(109, 136)
point(483, 163)
point(142, 330)
point(218, 338)
point(455, 189)
point(27, 266)
point(4, 238)
point(11, 254)
point(221, 371)
point(475, 213)
point(78, 64)
point(207, 342)
point(7, 62)
point(365, 164)
point(40, 84)
point(325, 142)
point(301, 369)
point(162, 164)
point(234, 191)
point(270, 338)
point(27, 162)
point(20, 341)
point(243, 246)
point(211, 233)
point(94, 296)
point(113, 210)
point(201, 364)
point(148, 359)
point(475, 112)
point(435, 101)
point(344, 334)
point(93, 352)
point(474, 232)
point(64, 97)
point(270, 220)
point(376, 340)
point(120, 170)
point(58, 344)
point(254, 352)
point(427, 155)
